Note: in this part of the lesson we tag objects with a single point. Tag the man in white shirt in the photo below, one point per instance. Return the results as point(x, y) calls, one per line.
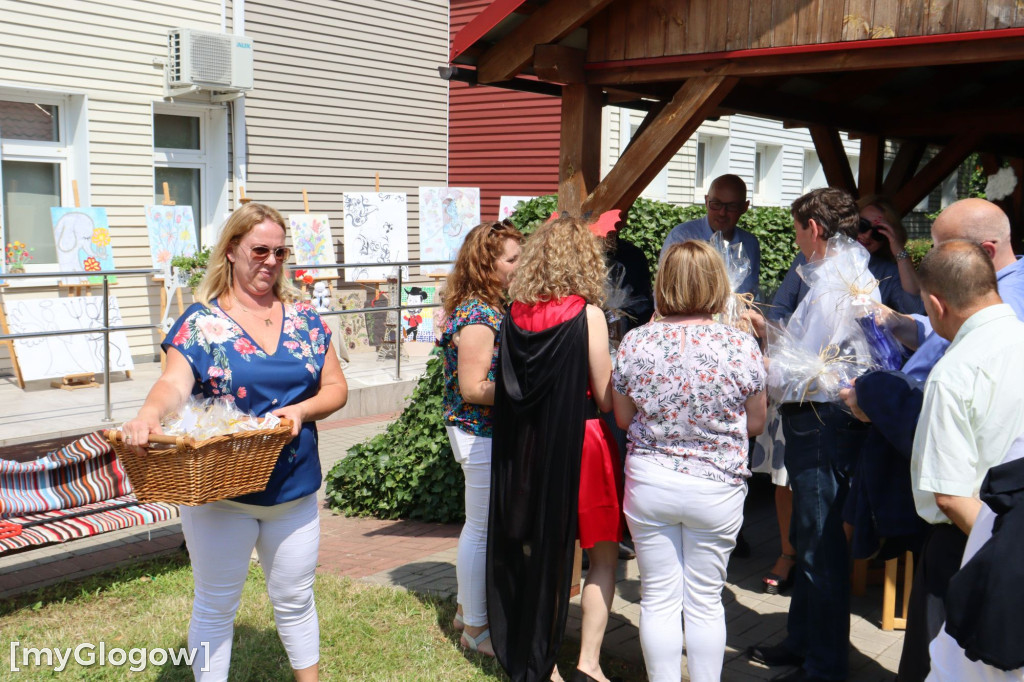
point(973, 410)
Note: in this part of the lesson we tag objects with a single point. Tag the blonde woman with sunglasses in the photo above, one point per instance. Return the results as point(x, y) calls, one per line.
point(250, 340)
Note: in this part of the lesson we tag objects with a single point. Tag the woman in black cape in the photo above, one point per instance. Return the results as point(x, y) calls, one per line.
point(555, 472)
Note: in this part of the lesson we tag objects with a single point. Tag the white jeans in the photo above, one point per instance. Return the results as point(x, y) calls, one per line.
point(684, 529)
point(220, 538)
point(474, 454)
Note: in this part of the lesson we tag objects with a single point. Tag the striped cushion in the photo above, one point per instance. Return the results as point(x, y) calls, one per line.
point(78, 474)
point(58, 530)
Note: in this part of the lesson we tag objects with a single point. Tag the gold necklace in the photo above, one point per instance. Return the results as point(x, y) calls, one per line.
point(266, 320)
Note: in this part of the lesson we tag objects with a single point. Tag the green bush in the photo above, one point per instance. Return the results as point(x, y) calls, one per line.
point(408, 471)
point(648, 222)
point(917, 248)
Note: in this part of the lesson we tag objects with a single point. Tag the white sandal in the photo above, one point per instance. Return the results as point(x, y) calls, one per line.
point(458, 623)
point(471, 643)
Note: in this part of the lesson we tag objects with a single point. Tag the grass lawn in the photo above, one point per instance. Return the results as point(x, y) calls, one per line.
point(367, 632)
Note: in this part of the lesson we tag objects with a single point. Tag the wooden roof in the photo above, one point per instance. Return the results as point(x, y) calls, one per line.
point(941, 72)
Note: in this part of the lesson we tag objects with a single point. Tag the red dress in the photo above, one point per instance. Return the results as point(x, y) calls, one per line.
point(601, 480)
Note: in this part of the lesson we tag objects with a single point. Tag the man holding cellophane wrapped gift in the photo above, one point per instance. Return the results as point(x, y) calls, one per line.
point(831, 338)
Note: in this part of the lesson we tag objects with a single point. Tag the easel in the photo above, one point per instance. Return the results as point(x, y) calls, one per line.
point(167, 282)
point(328, 280)
point(72, 382)
point(10, 342)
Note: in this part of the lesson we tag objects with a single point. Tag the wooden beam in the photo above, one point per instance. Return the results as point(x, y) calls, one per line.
point(658, 142)
point(872, 164)
point(655, 110)
point(903, 167)
point(579, 163)
point(549, 24)
point(786, 62)
point(768, 103)
point(833, 158)
point(935, 171)
point(558, 64)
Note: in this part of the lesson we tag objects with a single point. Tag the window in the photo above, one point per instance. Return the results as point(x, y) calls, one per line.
point(767, 185)
point(42, 137)
point(712, 160)
point(190, 155)
point(629, 124)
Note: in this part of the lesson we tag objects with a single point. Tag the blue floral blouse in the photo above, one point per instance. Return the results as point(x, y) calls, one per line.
point(227, 362)
point(689, 384)
point(475, 419)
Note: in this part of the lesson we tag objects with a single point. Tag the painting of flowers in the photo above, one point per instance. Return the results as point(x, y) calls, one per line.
point(83, 242)
point(172, 232)
point(311, 240)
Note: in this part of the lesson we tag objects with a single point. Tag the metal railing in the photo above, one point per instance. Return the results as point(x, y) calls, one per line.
point(106, 329)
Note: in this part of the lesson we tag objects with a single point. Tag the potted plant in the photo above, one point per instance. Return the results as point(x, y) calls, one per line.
point(190, 269)
point(17, 256)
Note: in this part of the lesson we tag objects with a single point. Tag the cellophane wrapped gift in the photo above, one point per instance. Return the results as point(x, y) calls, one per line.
point(833, 336)
point(737, 267)
point(203, 418)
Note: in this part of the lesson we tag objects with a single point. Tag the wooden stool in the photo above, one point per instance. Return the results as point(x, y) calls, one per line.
point(890, 588)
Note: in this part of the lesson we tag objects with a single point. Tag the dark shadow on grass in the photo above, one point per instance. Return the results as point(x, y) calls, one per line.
point(71, 589)
point(257, 655)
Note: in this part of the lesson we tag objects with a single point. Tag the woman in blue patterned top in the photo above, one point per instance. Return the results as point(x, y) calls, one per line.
point(474, 297)
point(249, 340)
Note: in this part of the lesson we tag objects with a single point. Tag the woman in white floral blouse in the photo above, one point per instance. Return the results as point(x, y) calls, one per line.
point(690, 392)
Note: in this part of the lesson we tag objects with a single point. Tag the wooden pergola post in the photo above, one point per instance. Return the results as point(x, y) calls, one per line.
point(832, 155)
point(872, 160)
point(579, 158)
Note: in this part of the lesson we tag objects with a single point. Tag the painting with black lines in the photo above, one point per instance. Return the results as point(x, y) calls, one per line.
point(47, 357)
point(376, 231)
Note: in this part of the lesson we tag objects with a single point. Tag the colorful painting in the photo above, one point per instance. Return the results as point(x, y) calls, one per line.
point(82, 236)
point(47, 357)
point(376, 231)
point(418, 323)
point(507, 205)
point(353, 326)
point(311, 240)
point(446, 215)
point(172, 232)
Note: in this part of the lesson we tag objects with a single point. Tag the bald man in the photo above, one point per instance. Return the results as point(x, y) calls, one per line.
point(984, 223)
point(881, 502)
point(973, 411)
point(726, 202)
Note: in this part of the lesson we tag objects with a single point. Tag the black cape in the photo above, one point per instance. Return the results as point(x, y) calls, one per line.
point(540, 406)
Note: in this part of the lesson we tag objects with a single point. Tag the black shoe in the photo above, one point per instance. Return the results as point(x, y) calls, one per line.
point(742, 550)
point(772, 656)
point(626, 551)
point(799, 675)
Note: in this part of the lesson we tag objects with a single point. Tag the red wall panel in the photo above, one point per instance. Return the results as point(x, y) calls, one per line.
point(503, 141)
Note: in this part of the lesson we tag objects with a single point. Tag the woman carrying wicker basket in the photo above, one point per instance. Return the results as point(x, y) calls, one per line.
point(249, 339)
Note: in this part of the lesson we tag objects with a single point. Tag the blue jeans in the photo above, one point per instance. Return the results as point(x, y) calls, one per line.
point(821, 444)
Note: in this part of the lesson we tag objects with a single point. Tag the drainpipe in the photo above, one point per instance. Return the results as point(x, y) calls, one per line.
point(239, 143)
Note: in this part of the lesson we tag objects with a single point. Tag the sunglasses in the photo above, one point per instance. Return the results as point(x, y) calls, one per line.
point(502, 225)
point(281, 253)
point(864, 225)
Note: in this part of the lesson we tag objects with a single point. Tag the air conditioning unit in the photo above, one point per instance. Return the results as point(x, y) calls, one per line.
point(198, 60)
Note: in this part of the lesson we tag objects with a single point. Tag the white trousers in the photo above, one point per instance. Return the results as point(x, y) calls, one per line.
point(684, 529)
point(474, 454)
point(220, 538)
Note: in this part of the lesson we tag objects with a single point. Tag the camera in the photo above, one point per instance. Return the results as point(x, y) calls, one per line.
point(865, 226)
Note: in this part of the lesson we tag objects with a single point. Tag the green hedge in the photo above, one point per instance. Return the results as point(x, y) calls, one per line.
point(648, 222)
point(408, 471)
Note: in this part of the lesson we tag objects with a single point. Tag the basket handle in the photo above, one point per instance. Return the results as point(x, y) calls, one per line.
point(115, 435)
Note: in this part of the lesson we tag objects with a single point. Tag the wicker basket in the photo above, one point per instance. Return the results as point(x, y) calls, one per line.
point(194, 473)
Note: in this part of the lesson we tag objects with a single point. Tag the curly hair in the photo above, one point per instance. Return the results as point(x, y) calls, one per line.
point(219, 272)
point(474, 274)
point(561, 258)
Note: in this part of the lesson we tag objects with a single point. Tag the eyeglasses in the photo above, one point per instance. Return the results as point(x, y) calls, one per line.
point(281, 253)
point(730, 206)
